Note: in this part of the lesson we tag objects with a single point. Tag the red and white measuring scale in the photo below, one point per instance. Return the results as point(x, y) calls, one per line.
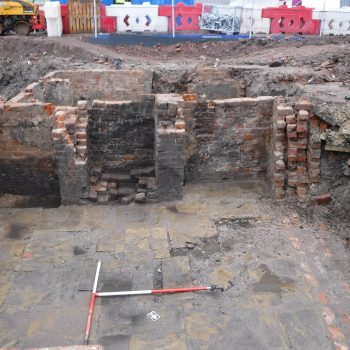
point(128, 293)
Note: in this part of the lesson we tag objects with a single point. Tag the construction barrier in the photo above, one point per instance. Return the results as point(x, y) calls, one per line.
point(39, 22)
point(137, 18)
point(54, 26)
point(65, 18)
point(221, 18)
point(295, 20)
point(163, 2)
point(186, 17)
point(107, 24)
point(333, 22)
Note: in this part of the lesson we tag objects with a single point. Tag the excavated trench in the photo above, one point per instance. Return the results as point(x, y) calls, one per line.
point(118, 136)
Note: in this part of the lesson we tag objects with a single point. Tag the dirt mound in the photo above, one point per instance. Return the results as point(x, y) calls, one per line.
point(26, 60)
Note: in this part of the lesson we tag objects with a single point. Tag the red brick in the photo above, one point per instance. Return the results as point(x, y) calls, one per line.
point(291, 119)
point(301, 170)
point(180, 125)
point(303, 135)
point(301, 156)
point(300, 144)
point(68, 139)
point(302, 127)
point(280, 136)
point(303, 115)
point(303, 105)
point(314, 122)
point(248, 137)
point(189, 97)
point(60, 116)
point(278, 177)
point(292, 135)
point(292, 152)
point(291, 127)
point(323, 199)
point(49, 108)
point(81, 136)
point(284, 110)
point(292, 159)
point(280, 118)
point(295, 182)
point(280, 124)
point(323, 126)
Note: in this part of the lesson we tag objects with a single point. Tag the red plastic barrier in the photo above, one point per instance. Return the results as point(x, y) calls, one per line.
point(107, 24)
point(186, 17)
point(65, 19)
point(39, 21)
point(294, 20)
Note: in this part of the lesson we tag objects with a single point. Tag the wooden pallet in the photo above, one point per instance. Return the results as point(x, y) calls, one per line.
point(81, 16)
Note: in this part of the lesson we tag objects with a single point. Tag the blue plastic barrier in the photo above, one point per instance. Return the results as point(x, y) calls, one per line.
point(186, 2)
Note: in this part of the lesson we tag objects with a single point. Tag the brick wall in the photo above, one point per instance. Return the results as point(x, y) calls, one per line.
point(26, 149)
point(169, 146)
point(121, 148)
point(68, 87)
point(296, 151)
point(227, 139)
point(71, 151)
point(121, 134)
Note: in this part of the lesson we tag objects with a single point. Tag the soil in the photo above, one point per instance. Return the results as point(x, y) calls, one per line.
point(27, 59)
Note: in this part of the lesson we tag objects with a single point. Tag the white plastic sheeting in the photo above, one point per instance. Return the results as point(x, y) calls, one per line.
point(334, 22)
point(138, 18)
point(53, 18)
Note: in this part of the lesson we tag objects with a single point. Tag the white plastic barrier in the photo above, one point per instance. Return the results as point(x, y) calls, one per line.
point(334, 22)
point(327, 5)
point(138, 18)
point(259, 25)
point(53, 18)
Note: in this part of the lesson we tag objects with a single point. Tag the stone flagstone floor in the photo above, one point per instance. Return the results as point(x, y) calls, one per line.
point(286, 282)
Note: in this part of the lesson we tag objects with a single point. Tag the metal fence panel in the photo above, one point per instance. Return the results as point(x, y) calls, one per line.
point(221, 18)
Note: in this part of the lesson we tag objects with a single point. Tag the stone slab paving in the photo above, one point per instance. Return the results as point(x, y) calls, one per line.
point(286, 281)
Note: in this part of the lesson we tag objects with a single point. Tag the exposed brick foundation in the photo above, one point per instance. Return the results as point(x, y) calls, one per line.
point(296, 151)
point(70, 143)
point(126, 144)
point(227, 139)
